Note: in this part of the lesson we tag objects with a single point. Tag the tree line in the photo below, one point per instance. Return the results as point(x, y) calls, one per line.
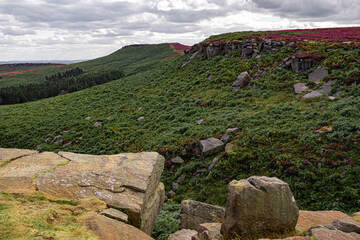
point(62, 75)
point(36, 91)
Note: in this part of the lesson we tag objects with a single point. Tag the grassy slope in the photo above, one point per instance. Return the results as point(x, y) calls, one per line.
point(275, 136)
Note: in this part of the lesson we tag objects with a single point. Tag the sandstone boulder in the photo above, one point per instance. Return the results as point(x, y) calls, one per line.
point(242, 81)
point(8, 154)
point(300, 87)
point(211, 146)
point(209, 231)
point(115, 214)
point(322, 233)
point(110, 229)
point(318, 75)
point(18, 175)
point(130, 182)
point(259, 206)
point(309, 219)
point(193, 213)
point(184, 234)
point(347, 225)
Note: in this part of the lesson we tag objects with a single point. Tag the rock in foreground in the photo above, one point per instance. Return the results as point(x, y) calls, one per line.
point(259, 206)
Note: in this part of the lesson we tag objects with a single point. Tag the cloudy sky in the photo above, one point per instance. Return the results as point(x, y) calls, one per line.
point(86, 29)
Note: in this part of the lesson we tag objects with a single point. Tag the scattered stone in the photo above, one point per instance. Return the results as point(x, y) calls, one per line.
point(110, 229)
point(259, 206)
point(338, 92)
point(193, 213)
point(309, 219)
point(8, 154)
point(200, 170)
point(170, 194)
point(213, 163)
point(184, 234)
point(326, 129)
point(115, 214)
point(323, 233)
point(232, 129)
point(178, 160)
point(325, 89)
point(140, 118)
point(332, 98)
point(200, 122)
point(97, 124)
point(139, 109)
point(48, 140)
point(108, 118)
point(67, 143)
point(242, 81)
point(175, 186)
point(87, 118)
point(181, 178)
point(318, 75)
point(209, 231)
point(347, 225)
point(225, 138)
point(313, 94)
point(229, 148)
point(300, 87)
point(211, 146)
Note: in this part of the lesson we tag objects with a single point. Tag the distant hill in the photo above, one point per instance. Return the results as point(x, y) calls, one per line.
point(45, 61)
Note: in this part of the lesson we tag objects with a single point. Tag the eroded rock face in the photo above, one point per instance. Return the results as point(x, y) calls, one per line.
point(128, 182)
point(8, 154)
point(301, 64)
point(110, 229)
point(259, 206)
point(193, 213)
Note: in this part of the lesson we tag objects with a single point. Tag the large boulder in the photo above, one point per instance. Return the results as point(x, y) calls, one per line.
point(211, 146)
point(194, 213)
point(129, 182)
point(309, 219)
point(183, 234)
point(318, 75)
point(110, 229)
point(259, 206)
point(242, 81)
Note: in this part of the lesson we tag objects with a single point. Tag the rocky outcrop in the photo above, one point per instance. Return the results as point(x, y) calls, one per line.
point(211, 146)
point(110, 229)
point(301, 63)
point(259, 206)
point(193, 213)
point(8, 154)
point(242, 81)
point(128, 182)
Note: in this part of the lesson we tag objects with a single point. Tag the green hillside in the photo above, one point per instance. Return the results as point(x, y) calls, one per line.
point(275, 135)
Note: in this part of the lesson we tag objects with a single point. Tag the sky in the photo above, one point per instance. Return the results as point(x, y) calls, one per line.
point(87, 29)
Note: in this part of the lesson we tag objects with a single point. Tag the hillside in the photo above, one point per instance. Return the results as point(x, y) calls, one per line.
point(312, 144)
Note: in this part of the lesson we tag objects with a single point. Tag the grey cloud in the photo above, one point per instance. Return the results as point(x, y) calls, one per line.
point(14, 31)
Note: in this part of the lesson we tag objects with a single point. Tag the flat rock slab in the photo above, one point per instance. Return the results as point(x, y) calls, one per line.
point(347, 225)
point(327, 234)
point(184, 234)
point(211, 146)
point(318, 75)
point(115, 214)
point(18, 176)
point(309, 219)
point(313, 94)
point(110, 229)
point(8, 154)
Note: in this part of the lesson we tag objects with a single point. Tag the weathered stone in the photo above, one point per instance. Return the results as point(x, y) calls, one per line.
point(242, 81)
point(110, 229)
point(347, 225)
point(18, 175)
point(300, 87)
point(8, 154)
point(325, 129)
point(247, 52)
point(301, 64)
point(229, 148)
point(125, 181)
point(225, 138)
point(178, 160)
point(97, 124)
point(181, 178)
point(140, 118)
point(200, 170)
point(170, 194)
point(199, 122)
point(115, 214)
point(212, 51)
point(318, 75)
point(193, 213)
point(308, 219)
point(232, 129)
point(322, 233)
point(356, 214)
point(211, 146)
point(259, 206)
point(209, 231)
point(213, 163)
point(325, 89)
point(184, 234)
point(313, 94)
point(175, 186)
